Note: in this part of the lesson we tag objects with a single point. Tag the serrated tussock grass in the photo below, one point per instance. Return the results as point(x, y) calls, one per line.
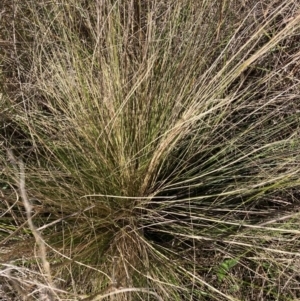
point(161, 145)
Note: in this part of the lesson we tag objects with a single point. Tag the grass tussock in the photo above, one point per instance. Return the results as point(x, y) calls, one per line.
point(160, 148)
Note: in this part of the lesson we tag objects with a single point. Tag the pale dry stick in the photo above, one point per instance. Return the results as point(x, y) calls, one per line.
point(28, 207)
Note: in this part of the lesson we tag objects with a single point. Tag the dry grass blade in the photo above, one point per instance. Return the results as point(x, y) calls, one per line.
point(28, 207)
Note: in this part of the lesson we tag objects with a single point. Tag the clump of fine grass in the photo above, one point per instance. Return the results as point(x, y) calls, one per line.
point(160, 143)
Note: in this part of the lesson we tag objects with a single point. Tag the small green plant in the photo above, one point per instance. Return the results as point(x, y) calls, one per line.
point(225, 267)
